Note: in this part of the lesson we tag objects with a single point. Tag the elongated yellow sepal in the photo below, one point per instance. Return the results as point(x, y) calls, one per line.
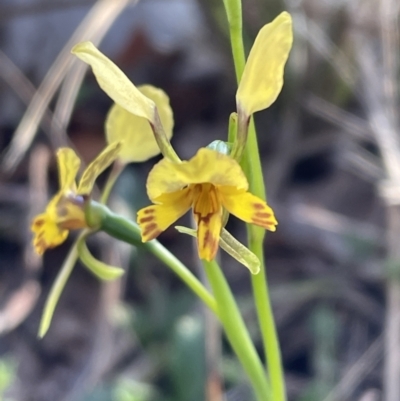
point(135, 132)
point(262, 78)
point(114, 82)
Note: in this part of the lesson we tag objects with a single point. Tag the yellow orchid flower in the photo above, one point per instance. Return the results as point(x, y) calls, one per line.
point(65, 211)
point(207, 183)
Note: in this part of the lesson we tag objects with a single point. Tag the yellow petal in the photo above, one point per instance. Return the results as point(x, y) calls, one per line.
point(68, 167)
point(262, 78)
point(136, 132)
point(207, 212)
point(153, 220)
point(207, 166)
point(46, 233)
point(114, 82)
point(97, 166)
point(248, 208)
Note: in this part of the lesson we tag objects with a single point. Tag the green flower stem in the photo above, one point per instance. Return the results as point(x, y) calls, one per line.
point(236, 331)
point(253, 169)
point(128, 231)
point(267, 323)
point(184, 273)
point(233, 10)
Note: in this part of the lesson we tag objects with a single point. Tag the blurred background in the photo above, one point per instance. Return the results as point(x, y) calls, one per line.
point(330, 155)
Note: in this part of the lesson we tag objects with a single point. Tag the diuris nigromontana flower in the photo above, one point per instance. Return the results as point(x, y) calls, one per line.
point(208, 183)
point(65, 211)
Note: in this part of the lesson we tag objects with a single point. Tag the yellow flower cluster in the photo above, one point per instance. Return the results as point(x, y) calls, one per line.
point(140, 125)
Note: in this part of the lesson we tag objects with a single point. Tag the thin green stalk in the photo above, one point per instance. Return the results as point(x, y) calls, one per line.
point(233, 10)
point(255, 235)
point(184, 273)
point(253, 169)
point(236, 331)
point(267, 323)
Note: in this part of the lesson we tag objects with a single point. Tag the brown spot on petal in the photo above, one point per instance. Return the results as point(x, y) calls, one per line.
point(200, 218)
point(263, 223)
point(258, 206)
point(207, 237)
point(151, 231)
point(262, 215)
point(146, 219)
point(211, 243)
point(38, 223)
point(150, 228)
point(148, 211)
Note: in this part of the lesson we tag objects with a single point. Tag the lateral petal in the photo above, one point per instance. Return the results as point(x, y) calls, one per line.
point(248, 208)
point(114, 82)
point(154, 219)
